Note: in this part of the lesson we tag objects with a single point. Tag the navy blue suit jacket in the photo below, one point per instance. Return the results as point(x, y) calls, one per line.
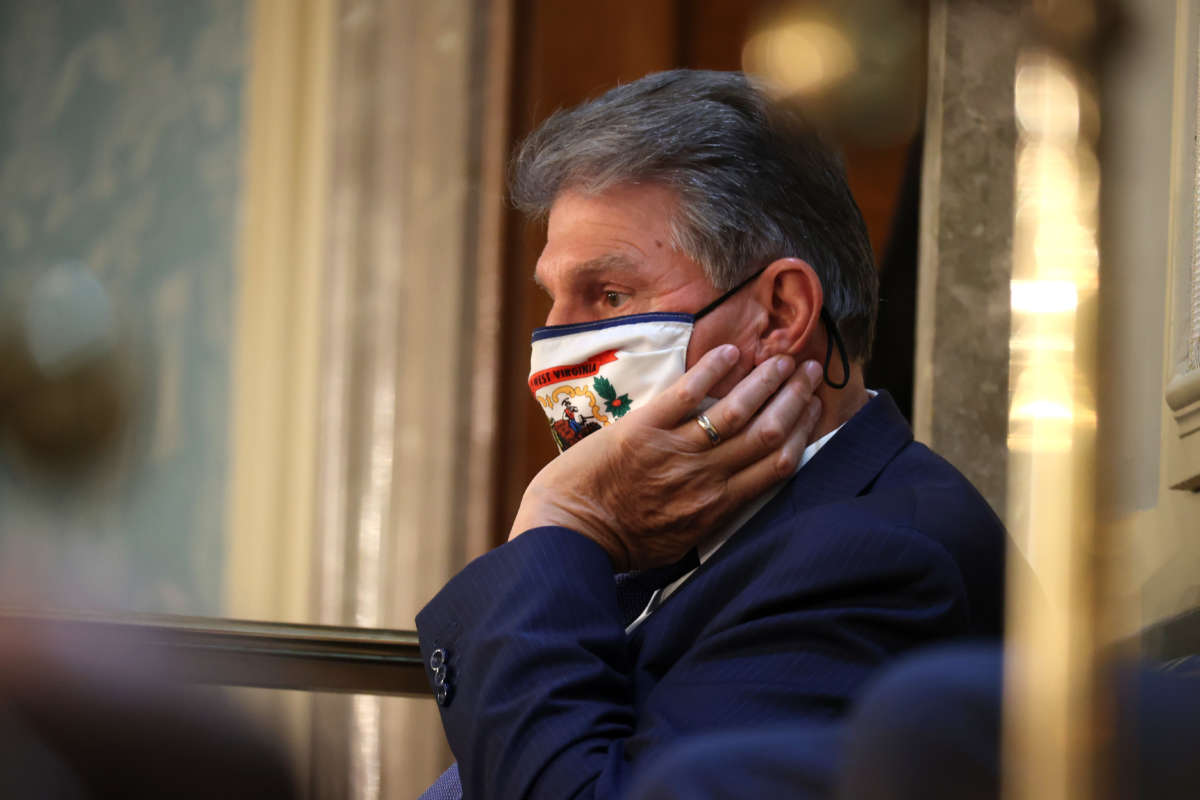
point(876, 546)
point(928, 728)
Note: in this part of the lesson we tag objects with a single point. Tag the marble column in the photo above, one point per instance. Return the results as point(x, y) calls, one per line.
point(961, 394)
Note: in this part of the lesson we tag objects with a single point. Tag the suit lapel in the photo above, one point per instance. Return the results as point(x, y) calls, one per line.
point(841, 470)
point(852, 459)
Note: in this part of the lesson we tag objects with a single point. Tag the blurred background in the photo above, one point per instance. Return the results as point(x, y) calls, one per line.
point(265, 310)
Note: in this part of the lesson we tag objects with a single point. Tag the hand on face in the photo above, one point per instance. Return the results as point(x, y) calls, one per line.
point(654, 486)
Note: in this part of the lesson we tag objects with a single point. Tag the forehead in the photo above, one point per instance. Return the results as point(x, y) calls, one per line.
point(623, 230)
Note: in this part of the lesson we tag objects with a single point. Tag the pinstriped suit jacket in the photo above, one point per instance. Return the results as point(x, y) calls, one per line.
point(876, 547)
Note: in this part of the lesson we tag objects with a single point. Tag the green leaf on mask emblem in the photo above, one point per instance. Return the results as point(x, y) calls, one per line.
point(617, 406)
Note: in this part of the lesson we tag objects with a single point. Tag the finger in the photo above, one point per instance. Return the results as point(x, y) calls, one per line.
point(733, 413)
point(777, 465)
point(680, 400)
point(772, 427)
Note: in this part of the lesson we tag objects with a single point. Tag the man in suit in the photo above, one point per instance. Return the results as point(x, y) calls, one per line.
point(772, 551)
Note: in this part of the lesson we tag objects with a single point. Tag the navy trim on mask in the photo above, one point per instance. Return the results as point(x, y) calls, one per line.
point(551, 331)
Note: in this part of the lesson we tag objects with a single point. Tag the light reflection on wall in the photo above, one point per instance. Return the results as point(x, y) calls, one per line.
point(1051, 432)
point(1055, 277)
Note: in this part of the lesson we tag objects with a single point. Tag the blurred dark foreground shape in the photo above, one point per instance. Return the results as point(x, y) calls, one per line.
point(90, 716)
point(929, 729)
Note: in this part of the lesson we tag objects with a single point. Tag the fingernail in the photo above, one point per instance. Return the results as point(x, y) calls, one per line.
point(784, 366)
point(814, 372)
point(728, 352)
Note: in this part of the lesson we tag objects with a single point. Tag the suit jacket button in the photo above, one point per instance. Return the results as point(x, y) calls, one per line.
point(439, 674)
point(442, 695)
point(437, 658)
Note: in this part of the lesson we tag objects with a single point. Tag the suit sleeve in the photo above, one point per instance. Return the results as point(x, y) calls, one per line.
point(534, 660)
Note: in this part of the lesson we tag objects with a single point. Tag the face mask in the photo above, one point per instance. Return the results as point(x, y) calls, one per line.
point(590, 374)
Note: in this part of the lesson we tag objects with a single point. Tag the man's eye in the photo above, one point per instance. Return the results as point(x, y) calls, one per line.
point(615, 299)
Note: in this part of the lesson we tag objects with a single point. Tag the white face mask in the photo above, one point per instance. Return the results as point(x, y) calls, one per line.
point(590, 374)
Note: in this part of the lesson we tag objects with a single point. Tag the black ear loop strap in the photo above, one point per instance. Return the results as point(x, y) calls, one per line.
point(727, 295)
point(834, 336)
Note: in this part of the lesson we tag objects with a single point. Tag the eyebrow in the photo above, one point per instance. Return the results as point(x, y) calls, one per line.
point(609, 262)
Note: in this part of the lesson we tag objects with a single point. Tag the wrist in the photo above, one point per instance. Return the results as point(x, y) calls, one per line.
point(538, 512)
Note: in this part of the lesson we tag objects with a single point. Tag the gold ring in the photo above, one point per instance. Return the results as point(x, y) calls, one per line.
point(706, 425)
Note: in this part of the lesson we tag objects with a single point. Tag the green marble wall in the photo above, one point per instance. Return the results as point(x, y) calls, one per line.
point(120, 133)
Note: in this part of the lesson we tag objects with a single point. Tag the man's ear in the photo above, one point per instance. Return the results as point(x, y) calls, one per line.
point(791, 294)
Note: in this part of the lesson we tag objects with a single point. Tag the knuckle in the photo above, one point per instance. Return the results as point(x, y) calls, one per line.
point(772, 435)
point(686, 395)
point(626, 444)
point(734, 419)
point(786, 464)
point(683, 443)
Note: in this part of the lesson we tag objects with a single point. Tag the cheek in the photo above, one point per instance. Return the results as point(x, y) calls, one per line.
point(702, 342)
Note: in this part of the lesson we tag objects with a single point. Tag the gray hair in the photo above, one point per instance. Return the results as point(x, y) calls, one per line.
point(755, 181)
